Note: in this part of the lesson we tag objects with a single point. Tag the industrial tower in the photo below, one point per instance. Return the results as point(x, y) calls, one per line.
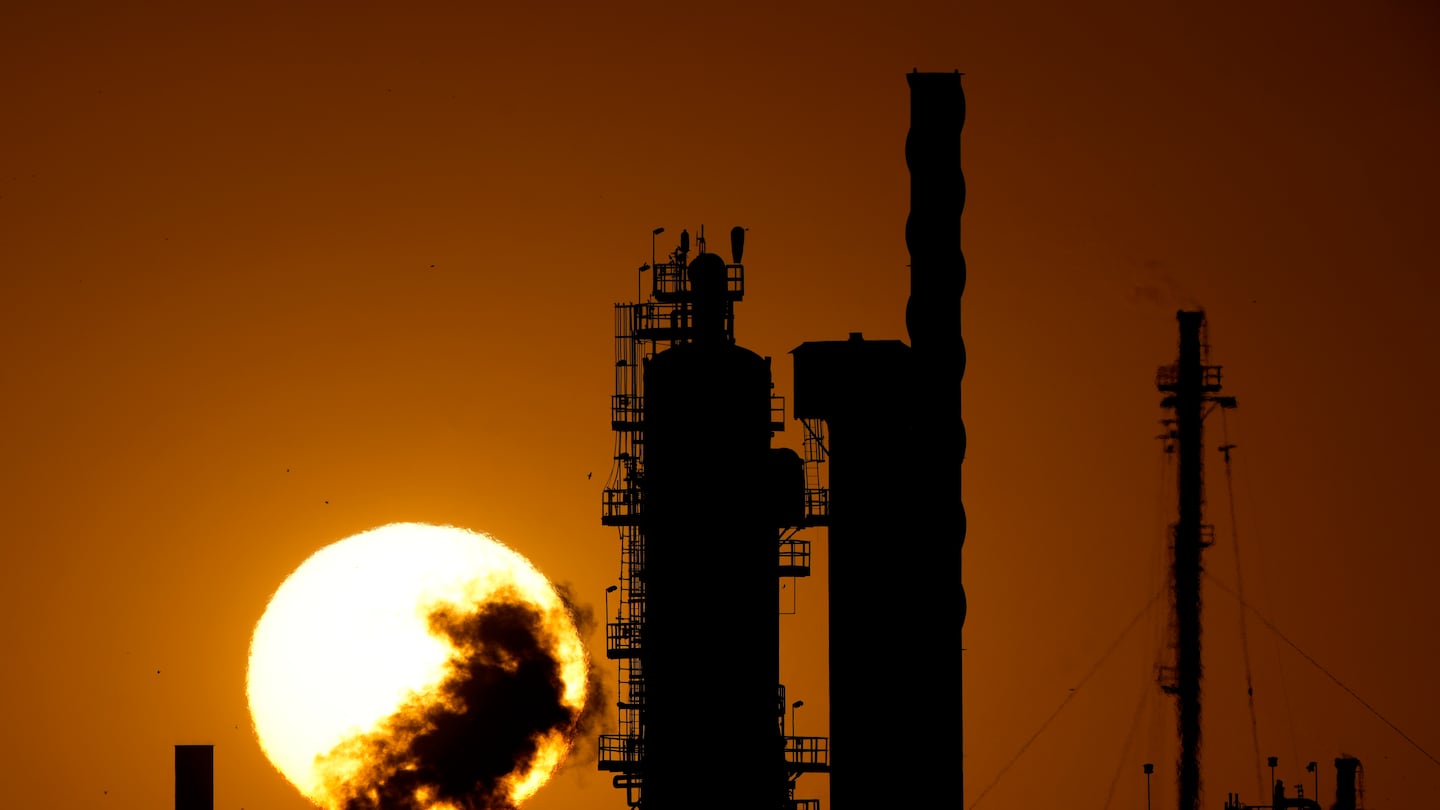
point(1192, 389)
point(703, 504)
point(895, 445)
point(708, 515)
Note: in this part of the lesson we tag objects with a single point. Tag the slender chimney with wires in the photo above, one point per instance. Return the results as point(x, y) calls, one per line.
point(1191, 387)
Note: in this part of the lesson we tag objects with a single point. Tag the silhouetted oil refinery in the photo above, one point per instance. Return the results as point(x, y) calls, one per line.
point(1192, 386)
point(710, 514)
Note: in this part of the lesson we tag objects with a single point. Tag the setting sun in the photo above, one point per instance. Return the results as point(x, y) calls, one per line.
point(416, 666)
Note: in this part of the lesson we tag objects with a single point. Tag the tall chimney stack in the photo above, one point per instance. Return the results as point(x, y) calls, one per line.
point(895, 446)
point(194, 777)
point(932, 316)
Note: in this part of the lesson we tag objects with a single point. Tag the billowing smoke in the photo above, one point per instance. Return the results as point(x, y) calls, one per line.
point(586, 750)
point(1156, 285)
point(465, 743)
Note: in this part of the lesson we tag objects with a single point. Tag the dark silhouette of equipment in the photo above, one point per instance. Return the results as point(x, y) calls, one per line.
point(1349, 789)
point(1346, 793)
point(710, 561)
point(1191, 386)
point(702, 502)
point(194, 777)
point(1149, 769)
point(1192, 390)
point(894, 440)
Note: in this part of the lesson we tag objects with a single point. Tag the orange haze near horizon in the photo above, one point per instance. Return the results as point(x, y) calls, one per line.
point(274, 274)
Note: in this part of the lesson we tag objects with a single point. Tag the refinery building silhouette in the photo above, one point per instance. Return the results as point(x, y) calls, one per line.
point(710, 515)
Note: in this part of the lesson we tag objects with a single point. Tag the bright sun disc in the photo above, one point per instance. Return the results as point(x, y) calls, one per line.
point(416, 666)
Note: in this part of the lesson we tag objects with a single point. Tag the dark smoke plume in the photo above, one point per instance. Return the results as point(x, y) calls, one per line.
point(586, 750)
point(484, 722)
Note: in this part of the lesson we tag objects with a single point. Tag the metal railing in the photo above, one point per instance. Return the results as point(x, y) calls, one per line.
point(807, 754)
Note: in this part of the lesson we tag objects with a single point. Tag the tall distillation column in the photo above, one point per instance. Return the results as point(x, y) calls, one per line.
point(896, 525)
point(709, 515)
point(711, 637)
point(1191, 386)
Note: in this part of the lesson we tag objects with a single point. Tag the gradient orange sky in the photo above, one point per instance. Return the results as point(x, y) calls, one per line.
point(273, 274)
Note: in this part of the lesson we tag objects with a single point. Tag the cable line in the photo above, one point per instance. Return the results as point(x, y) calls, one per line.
point(1327, 672)
point(1225, 448)
point(1073, 692)
point(1145, 692)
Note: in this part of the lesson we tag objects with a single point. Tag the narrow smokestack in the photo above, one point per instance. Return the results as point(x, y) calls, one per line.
point(1189, 542)
point(194, 777)
point(895, 443)
point(932, 317)
point(1191, 387)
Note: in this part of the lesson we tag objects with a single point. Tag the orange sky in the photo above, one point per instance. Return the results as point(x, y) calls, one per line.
point(271, 277)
